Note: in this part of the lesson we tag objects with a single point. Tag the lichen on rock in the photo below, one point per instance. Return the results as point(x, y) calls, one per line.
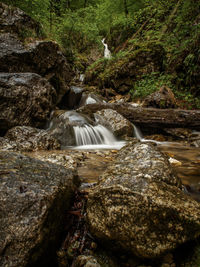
point(138, 207)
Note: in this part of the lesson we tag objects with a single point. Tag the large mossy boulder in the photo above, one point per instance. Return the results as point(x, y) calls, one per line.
point(25, 99)
point(121, 72)
point(34, 198)
point(139, 207)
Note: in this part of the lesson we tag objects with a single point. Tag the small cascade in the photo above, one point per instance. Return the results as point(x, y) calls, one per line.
point(138, 133)
point(81, 77)
point(93, 137)
point(107, 53)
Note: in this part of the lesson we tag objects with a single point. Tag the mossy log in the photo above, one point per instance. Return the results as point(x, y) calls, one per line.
point(151, 117)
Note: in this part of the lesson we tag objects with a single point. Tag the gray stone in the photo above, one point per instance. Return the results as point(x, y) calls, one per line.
point(41, 57)
point(25, 138)
point(115, 122)
point(138, 207)
point(34, 197)
point(26, 99)
point(90, 98)
point(14, 20)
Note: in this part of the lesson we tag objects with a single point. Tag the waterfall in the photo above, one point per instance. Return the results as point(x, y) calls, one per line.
point(88, 136)
point(107, 53)
point(81, 77)
point(138, 133)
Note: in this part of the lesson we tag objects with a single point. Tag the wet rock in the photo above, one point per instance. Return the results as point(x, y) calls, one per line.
point(86, 261)
point(164, 98)
point(26, 99)
point(34, 197)
point(115, 122)
point(138, 207)
point(90, 98)
point(178, 133)
point(72, 98)
point(14, 20)
point(69, 159)
point(41, 57)
point(24, 138)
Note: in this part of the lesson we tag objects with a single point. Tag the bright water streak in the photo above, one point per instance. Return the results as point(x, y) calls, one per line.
point(107, 53)
point(95, 137)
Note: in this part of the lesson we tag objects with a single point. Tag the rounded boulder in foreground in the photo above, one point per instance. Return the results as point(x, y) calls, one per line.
point(137, 206)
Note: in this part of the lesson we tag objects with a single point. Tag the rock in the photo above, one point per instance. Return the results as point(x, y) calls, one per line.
point(137, 206)
point(86, 261)
point(164, 98)
point(41, 57)
point(90, 98)
point(34, 197)
point(24, 138)
point(72, 98)
point(26, 99)
point(178, 133)
point(14, 20)
point(115, 122)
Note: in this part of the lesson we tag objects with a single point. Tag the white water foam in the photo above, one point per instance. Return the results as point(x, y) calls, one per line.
point(95, 137)
point(107, 53)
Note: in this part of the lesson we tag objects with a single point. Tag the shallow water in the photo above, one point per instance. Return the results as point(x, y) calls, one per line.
point(187, 167)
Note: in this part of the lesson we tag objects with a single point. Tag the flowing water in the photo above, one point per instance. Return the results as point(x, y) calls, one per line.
point(107, 53)
point(95, 137)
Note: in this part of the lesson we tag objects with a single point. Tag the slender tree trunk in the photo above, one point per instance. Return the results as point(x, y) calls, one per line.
point(68, 4)
point(125, 8)
point(85, 3)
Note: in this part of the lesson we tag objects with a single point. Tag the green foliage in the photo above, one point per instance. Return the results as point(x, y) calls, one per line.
point(79, 25)
point(150, 83)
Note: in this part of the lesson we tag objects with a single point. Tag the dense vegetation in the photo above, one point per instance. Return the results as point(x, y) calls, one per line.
point(79, 26)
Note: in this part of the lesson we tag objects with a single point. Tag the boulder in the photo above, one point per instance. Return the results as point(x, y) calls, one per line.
point(41, 57)
point(138, 207)
point(90, 98)
point(164, 98)
point(25, 99)
point(34, 197)
point(25, 138)
point(14, 20)
point(115, 122)
point(72, 98)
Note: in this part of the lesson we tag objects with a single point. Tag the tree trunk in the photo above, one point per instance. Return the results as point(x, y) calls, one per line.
point(151, 117)
point(125, 8)
point(85, 3)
